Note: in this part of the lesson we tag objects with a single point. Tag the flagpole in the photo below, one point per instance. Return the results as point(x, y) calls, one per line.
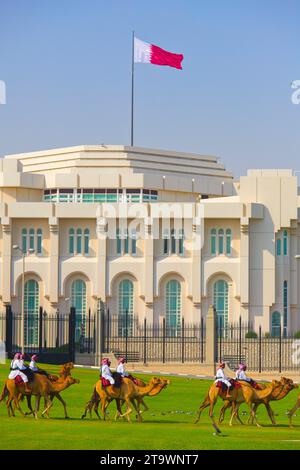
point(132, 90)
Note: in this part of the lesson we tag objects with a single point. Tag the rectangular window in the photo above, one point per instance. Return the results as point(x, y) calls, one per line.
point(133, 242)
point(119, 242)
point(166, 238)
point(173, 242)
point(126, 243)
point(181, 239)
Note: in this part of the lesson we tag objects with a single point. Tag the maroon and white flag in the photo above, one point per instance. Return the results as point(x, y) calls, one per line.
point(151, 54)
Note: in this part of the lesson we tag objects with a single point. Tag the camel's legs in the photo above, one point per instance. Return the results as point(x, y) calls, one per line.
point(37, 406)
point(253, 415)
point(204, 405)
point(129, 410)
point(227, 404)
point(292, 411)
point(49, 404)
point(62, 402)
point(211, 413)
point(96, 406)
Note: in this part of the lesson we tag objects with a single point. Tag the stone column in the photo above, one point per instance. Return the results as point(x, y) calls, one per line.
point(100, 289)
point(196, 271)
point(6, 260)
point(54, 261)
point(149, 271)
point(211, 340)
point(244, 272)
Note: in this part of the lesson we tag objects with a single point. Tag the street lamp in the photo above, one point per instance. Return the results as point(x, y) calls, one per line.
point(23, 253)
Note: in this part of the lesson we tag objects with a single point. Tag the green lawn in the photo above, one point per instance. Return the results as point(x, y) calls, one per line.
point(168, 424)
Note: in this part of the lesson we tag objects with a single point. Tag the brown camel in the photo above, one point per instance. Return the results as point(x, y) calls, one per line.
point(99, 396)
point(293, 410)
point(40, 387)
point(243, 394)
point(127, 393)
point(283, 387)
point(65, 371)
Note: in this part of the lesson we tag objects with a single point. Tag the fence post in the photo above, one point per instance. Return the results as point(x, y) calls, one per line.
point(89, 332)
point(72, 324)
point(182, 340)
point(108, 330)
point(57, 329)
point(8, 331)
point(259, 350)
point(240, 339)
point(280, 347)
point(126, 334)
point(40, 329)
point(145, 341)
point(211, 339)
point(202, 339)
point(164, 340)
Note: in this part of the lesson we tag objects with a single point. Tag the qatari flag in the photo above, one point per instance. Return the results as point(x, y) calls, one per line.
point(151, 54)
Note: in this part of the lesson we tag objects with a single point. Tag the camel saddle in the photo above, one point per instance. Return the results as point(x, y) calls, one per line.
point(18, 380)
point(234, 384)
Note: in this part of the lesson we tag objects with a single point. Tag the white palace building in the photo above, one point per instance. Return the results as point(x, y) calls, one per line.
point(160, 234)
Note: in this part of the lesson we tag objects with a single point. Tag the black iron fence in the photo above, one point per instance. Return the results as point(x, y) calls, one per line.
point(261, 352)
point(142, 341)
point(55, 338)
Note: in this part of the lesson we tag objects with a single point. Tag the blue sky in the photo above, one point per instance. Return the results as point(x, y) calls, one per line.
point(67, 69)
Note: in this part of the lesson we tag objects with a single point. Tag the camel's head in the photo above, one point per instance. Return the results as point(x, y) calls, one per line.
point(155, 381)
point(71, 380)
point(288, 383)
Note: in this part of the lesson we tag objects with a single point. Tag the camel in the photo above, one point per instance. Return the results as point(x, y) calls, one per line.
point(99, 396)
point(283, 387)
point(128, 392)
point(293, 410)
point(40, 387)
point(65, 371)
point(243, 394)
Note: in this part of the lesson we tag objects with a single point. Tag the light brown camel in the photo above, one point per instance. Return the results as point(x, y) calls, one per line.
point(40, 387)
point(65, 371)
point(99, 396)
point(293, 410)
point(283, 387)
point(243, 394)
point(127, 393)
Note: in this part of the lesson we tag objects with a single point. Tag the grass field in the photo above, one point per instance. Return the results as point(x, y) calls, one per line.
point(168, 424)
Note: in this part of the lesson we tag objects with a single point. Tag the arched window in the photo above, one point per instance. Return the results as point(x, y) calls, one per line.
point(31, 238)
point(39, 238)
point(285, 308)
point(213, 241)
point(181, 241)
point(275, 331)
point(86, 241)
point(78, 300)
point(79, 241)
point(125, 322)
point(278, 247)
point(31, 312)
point(221, 302)
point(24, 240)
point(285, 242)
point(228, 241)
point(173, 242)
point(221, 241)
point(71, 241)
point(173, 307)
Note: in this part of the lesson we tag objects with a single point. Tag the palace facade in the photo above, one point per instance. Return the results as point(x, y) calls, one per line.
point(154, 233)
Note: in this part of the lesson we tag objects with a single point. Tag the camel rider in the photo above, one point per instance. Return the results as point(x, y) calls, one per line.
point(33, 366)
point(17, 368)
point(240, 373)
point(123, 372)
point(106, 372)
point(221, 377)
point(121, 367)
